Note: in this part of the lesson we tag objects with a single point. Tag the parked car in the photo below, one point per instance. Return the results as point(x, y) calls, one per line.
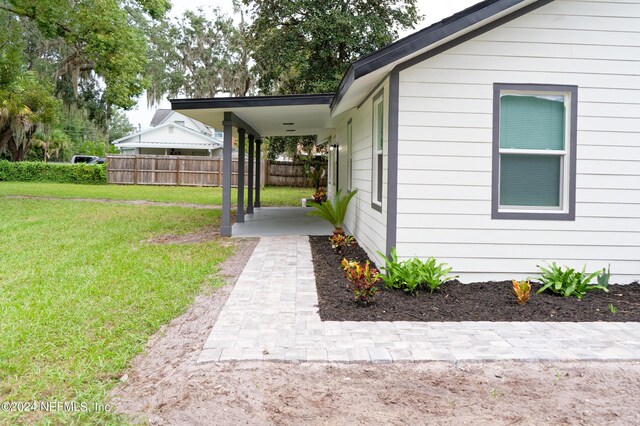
point(97, 160)
point(77, 159)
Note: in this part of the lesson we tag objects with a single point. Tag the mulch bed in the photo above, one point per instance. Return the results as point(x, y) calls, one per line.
point(454, 301)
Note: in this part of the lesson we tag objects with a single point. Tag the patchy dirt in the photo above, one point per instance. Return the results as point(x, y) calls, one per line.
point(454, 301)
point(108, 200)
point(204, 234)
point(165, 386)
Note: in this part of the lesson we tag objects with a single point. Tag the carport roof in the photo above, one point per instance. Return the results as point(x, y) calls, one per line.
point(287, 115)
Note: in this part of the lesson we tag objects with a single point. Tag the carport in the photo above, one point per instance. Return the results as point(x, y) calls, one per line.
point(251, 119)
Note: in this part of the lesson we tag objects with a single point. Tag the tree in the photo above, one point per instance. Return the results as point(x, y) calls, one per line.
point(198, 57)
point(52, 143)
point(88, 54)
point(98, 38)
point(119, 126)
point(305, 46)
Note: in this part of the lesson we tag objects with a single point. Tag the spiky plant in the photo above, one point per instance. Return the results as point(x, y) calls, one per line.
point(334, 211)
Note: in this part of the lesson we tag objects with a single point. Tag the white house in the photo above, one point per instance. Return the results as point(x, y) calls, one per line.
point(501, 137)
point(172, 133)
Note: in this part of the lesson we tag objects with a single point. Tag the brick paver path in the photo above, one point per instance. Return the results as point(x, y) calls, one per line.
point(272, 314)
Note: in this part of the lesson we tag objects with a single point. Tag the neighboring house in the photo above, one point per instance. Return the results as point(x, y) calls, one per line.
point(173, 134)
point(501, 137)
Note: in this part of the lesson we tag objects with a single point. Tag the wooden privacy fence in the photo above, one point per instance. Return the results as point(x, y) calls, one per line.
point(172, 170)
point(286, 173)
point(183, 170)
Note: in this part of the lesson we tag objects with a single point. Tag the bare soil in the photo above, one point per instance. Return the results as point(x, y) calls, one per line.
point(165, 386)
point(111, 201)
point(454, 301)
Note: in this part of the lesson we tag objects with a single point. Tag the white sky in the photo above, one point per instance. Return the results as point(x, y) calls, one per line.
point(432, 11)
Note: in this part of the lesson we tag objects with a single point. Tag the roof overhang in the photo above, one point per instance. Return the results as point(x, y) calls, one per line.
point(365, 74)
point(290, 115)
point(319, 114)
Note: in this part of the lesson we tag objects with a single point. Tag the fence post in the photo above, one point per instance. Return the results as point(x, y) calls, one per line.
point(177, 171)
point(135, 169)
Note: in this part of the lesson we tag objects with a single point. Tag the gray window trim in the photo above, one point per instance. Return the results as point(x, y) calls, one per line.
point(374, 181)
point(392, 161)
point(350, 154)
point(573, 137)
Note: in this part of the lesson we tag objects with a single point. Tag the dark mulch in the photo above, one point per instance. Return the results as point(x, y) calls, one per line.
point(454, 301)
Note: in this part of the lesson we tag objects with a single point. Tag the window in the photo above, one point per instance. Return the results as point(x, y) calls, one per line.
point(534, 151)
point(377, 145)
point(349, 155)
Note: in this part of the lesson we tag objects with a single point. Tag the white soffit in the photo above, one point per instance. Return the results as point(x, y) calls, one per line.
point(272, 120)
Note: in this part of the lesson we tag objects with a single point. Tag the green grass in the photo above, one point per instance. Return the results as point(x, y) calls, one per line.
point(269, 196)
point(81, 292)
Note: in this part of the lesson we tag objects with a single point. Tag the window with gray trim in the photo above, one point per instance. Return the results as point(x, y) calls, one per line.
point(377, 154)
point(534, 151)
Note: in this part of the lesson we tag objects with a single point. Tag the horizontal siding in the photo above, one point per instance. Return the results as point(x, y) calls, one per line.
point(445, 137)
point(475, 221)
point(366, 224)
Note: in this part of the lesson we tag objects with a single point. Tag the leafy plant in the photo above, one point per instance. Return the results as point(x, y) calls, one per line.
point(363, 280)
point(334, 211)
point(567, 282)
point(341, 240)
point(411, 274)
point(392, 269)
point(320, 196)
point(603, 277)
point(522, 291)
point(612, 309)
point(315, 173)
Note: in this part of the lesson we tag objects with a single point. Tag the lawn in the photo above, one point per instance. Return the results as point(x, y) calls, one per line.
point(82, 290)
point(269, 196)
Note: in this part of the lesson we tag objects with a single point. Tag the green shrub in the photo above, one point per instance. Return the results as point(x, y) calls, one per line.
point(569, 282)
point(411, 274)
point(27, 171)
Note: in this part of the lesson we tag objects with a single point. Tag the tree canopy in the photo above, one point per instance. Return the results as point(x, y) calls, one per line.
point(305, 46)
point(67, 66)
point(197, 56)
point(63, 57)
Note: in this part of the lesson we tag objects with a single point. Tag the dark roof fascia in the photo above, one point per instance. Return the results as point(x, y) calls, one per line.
point(252, 101)
point(421, 39)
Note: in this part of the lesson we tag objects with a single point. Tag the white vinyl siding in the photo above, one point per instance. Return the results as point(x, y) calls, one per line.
point(445, 145)
point(362, 220)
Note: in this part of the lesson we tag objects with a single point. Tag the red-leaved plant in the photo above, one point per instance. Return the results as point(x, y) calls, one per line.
point(341, 240)
point(363, 280)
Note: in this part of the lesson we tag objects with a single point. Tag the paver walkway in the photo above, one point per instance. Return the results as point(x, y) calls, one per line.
point(271, 314)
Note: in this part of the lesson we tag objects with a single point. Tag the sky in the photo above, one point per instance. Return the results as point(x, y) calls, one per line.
point(431, 10)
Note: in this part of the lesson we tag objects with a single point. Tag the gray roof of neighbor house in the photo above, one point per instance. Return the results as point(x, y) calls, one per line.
point(160, 116)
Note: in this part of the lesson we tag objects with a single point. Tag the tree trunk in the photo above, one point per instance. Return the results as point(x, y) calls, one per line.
point(18, 152)
point(5, 136)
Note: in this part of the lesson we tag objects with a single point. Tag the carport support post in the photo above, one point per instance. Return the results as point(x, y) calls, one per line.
point(250, 178)
point(225, 228)
point(240, 210)
point(258, 167)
